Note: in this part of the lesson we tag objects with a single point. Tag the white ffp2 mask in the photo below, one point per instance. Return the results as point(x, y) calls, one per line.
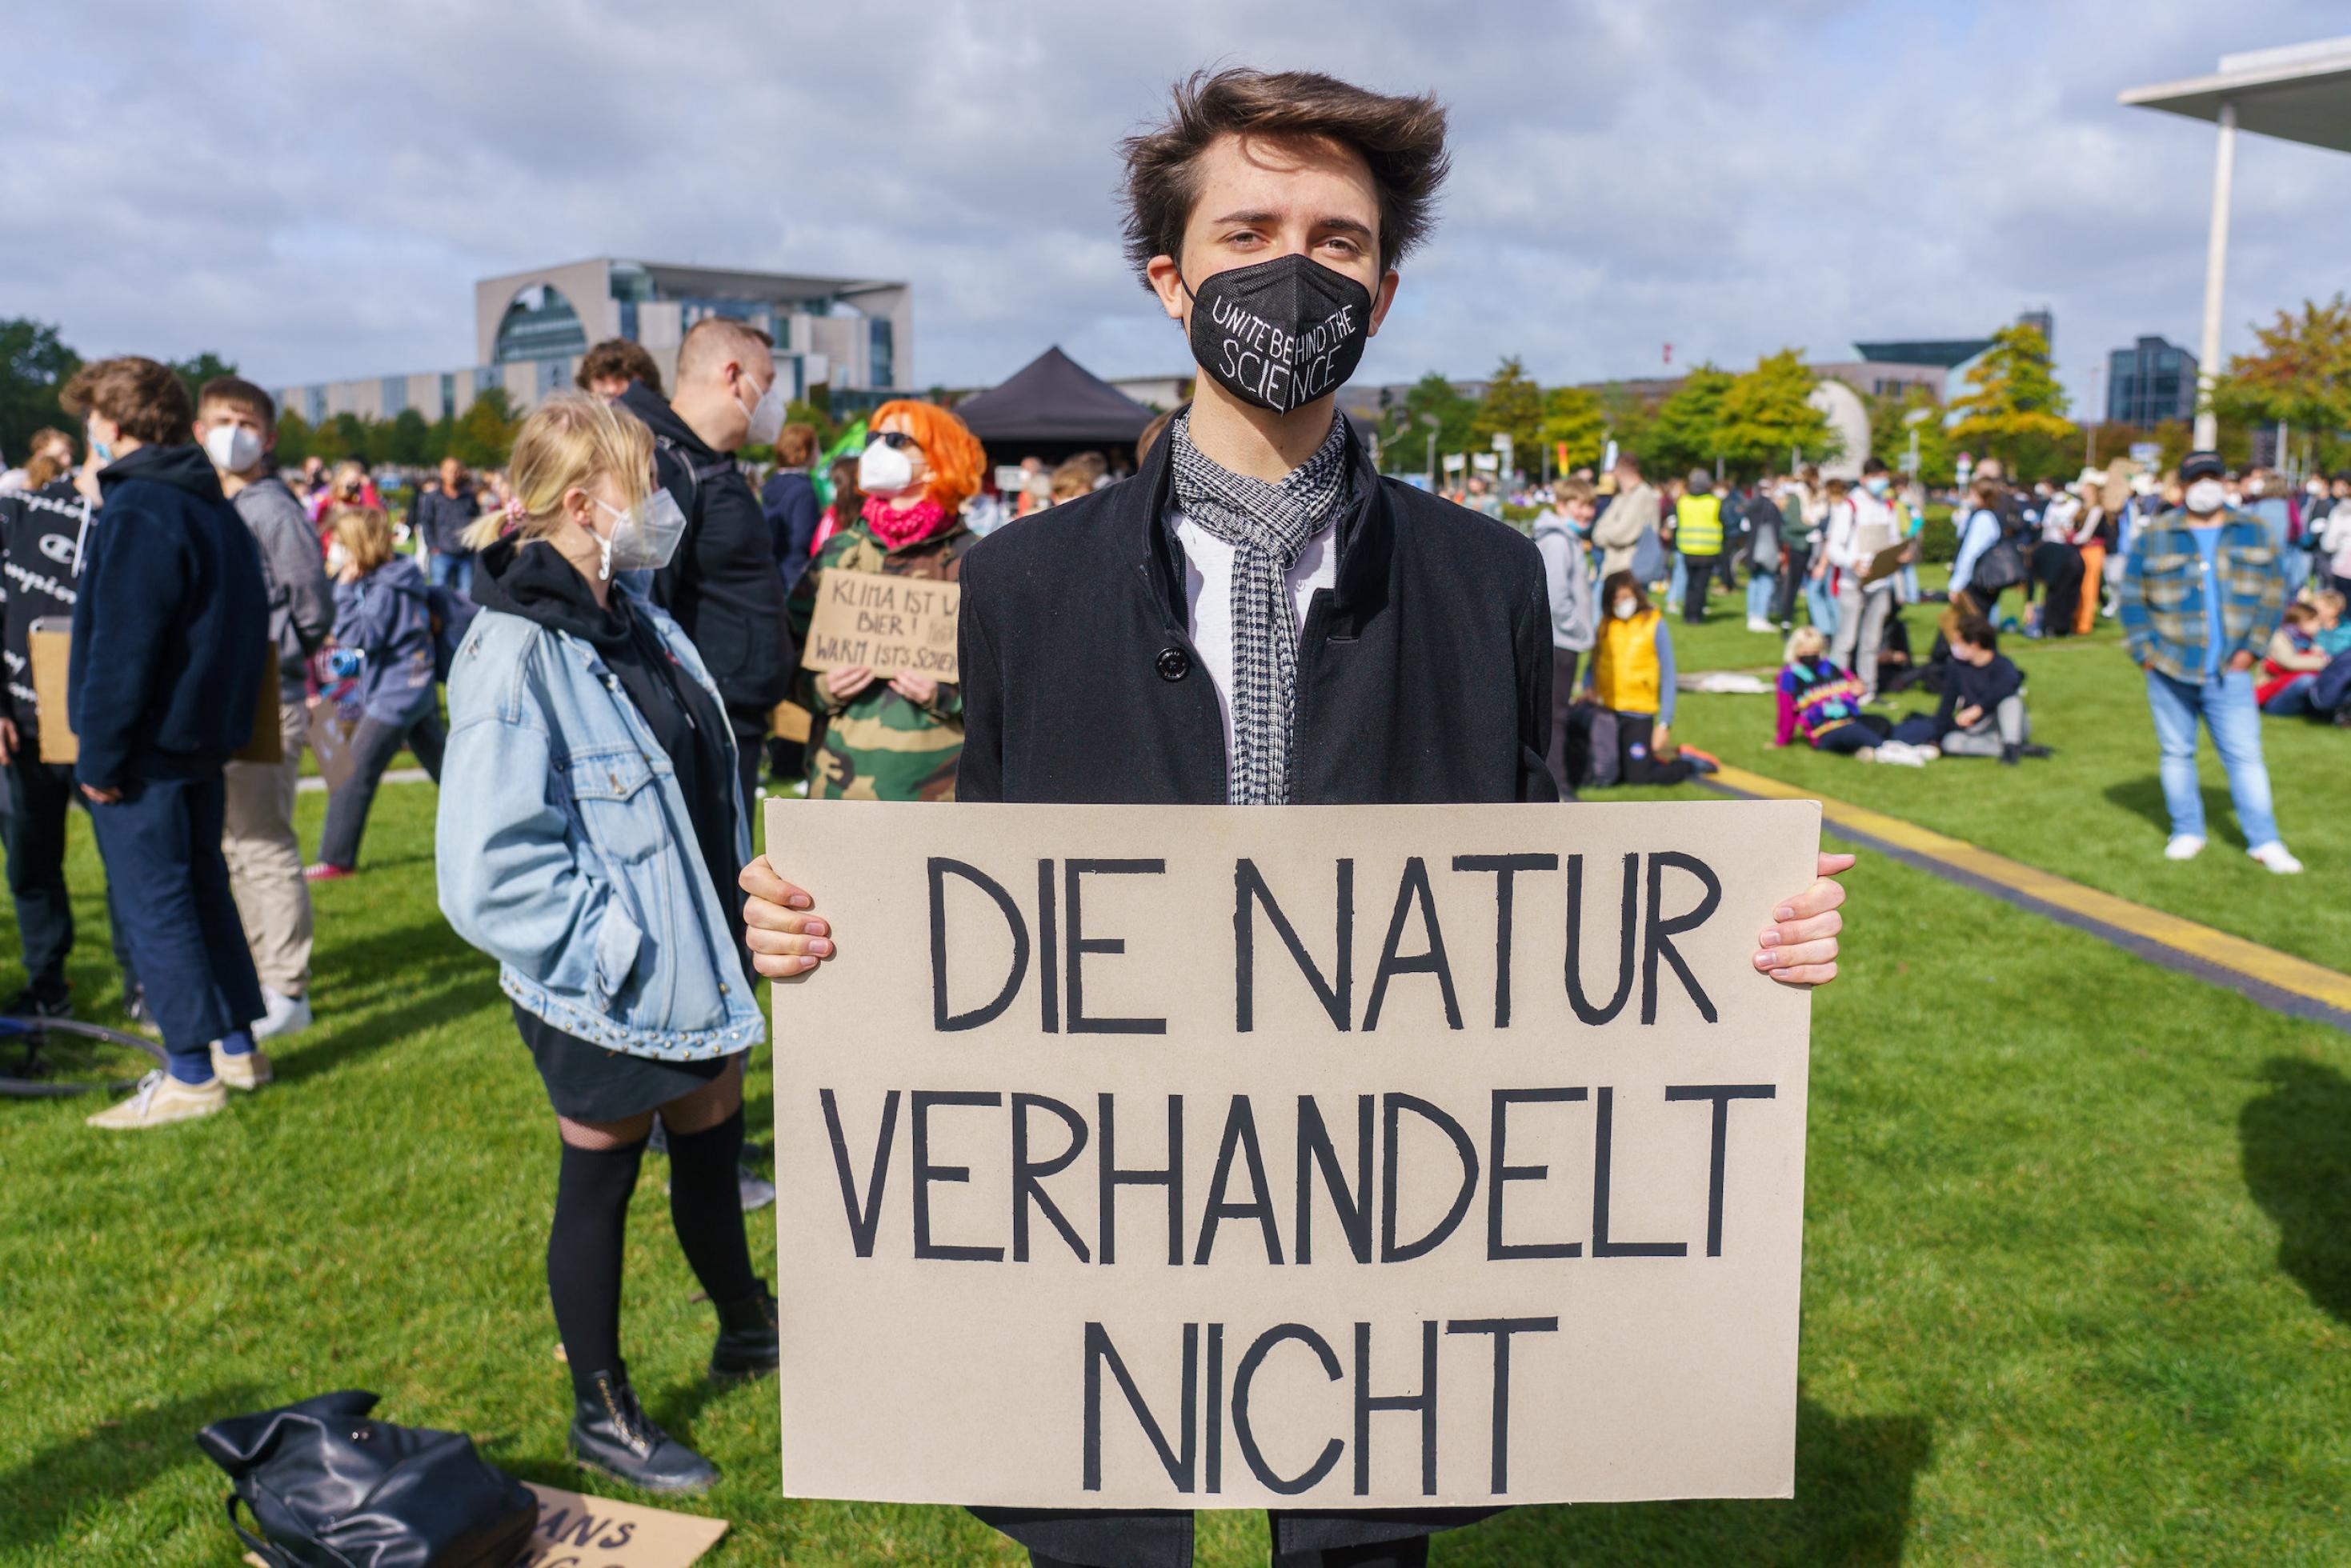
point(233, 448)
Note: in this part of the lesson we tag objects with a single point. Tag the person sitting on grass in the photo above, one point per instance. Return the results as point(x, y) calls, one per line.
point(1822, 701)
point(2291, 663)
point(384, 637)
point(1982, 713)
point(1632, 676)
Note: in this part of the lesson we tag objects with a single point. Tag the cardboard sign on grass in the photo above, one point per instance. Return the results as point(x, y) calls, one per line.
point(889, 625)
point(1314, 1158)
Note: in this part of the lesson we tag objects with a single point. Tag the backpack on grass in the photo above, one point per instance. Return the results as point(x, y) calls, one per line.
point(329, 1489)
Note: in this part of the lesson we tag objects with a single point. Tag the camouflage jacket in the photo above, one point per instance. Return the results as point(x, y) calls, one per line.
point(877, 745)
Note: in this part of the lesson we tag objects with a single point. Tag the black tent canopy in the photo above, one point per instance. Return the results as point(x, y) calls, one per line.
point(1054, 407)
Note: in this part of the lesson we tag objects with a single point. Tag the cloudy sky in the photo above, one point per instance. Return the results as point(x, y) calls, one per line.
point(310, 190)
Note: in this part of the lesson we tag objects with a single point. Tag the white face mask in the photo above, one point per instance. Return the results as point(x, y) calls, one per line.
point(233, 448)
point(768, 418)
point(1626, 609)
point(644, 537)
point(884, 470)
point(337, 559)
point(2205, 496)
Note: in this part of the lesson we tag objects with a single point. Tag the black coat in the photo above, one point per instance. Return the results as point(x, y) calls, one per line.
point(1423, 677)
point(723, 585)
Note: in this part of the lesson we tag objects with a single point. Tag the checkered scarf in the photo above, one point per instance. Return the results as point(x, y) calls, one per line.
point(1268, 525)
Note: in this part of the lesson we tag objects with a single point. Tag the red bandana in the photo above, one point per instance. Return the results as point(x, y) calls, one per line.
point(901, 526)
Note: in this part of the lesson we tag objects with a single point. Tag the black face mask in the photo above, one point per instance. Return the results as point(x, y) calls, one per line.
point(1281, 333)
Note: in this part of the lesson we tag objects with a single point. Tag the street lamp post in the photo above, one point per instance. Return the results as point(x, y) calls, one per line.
point(2216, 265)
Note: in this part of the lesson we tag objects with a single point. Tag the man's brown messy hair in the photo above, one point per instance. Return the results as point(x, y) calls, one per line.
point(1401, 138)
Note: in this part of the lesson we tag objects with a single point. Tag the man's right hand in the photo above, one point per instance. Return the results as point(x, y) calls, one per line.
point(8, 741)
point(785, 939)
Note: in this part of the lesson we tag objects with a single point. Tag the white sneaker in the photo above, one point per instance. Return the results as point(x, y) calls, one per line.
point(160, 1100)
point(1757, 623)
point(2275, 856)
point(2184, 846)
point(281, 1016)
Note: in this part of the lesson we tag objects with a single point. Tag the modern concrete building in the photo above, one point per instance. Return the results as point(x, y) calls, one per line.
point(2150, 382)
point(853, 336)
point(2299, 93)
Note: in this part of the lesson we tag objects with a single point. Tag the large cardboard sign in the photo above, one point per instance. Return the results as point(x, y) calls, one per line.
point(49, 645)
point(889, 625)
point(576, 1531)
point(1311, 1157)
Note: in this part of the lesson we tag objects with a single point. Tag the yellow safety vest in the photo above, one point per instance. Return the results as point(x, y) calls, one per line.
point(1697, 525)
point(1625, 663)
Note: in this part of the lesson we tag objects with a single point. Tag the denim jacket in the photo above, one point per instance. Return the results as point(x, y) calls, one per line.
point(566, 853)
point(2162, 599)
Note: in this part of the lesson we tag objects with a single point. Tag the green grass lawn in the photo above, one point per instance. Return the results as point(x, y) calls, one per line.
point(2095, 812)
point(2077, 1270)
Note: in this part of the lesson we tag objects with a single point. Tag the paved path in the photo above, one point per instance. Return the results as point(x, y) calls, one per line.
point(2280, 982)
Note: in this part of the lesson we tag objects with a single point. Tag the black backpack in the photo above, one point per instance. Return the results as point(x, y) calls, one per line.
point(329, 1489)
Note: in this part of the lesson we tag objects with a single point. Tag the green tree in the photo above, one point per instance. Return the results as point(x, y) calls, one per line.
point(1686, 433)
point(193, 373)
point(438, 439)
point(407, 437)
point(1512, 406)
point(486, 430)
point(35, 365)
point(1890, 430)
point(1628, 417)
point(2300, 374)
point(1574, 419)
point(2014, 410)
point(343, 435)
point(1404, 438)
point(1763, 415)
point(295, 438)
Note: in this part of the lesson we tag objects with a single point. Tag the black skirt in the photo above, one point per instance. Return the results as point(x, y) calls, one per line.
point(595, 1083)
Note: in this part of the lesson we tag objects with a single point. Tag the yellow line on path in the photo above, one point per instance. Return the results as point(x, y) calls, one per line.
point(2267, 965)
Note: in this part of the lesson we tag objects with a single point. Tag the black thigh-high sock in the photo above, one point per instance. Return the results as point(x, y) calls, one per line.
point(707, 1206)
point(583, 1256)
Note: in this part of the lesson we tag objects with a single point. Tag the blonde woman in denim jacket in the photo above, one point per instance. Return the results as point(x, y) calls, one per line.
point(589, 815)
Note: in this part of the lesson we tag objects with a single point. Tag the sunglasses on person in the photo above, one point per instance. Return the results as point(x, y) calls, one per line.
point(898, 439)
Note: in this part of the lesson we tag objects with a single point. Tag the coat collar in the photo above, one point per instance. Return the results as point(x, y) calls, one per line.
point(1366, 537)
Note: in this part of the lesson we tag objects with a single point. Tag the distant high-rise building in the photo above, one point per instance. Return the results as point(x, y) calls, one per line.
point(2043, 320)
point(2150, 383)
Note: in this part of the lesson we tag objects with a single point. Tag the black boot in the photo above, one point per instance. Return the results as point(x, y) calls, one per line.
point(747, 1338)
point(612, 1436)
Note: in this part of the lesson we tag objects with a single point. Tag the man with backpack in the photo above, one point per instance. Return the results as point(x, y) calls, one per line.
point(724, 584)
point(238, 423)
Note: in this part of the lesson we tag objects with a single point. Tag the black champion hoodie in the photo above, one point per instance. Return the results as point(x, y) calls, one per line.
point(533, 580)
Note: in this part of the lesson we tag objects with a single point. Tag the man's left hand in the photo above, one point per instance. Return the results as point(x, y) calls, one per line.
point(1800, 947)
point(2240, 661)
point(102, 796)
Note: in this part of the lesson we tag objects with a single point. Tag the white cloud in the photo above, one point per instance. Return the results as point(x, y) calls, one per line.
point(311, 190)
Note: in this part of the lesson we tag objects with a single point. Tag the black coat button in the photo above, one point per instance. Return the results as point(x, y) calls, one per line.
point(1174, 664)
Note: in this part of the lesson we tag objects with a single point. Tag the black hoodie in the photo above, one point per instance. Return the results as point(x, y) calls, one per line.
point(724, 585)
point(534, 581)
point(170, 629)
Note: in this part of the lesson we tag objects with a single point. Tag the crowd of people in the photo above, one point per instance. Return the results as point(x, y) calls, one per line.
point(615, 618)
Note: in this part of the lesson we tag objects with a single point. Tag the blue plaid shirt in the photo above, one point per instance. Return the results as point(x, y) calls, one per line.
point(2166, 617)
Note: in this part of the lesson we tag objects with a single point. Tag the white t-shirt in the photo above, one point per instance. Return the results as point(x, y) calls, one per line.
point(1208, 598)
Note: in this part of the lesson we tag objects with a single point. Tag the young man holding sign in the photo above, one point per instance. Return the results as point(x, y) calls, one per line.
point(1258, 617)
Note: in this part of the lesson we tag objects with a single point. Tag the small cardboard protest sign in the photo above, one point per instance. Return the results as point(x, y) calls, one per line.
point(1363, 1156)
point(49, 643)
point(576, 1531)
point(892, 626)
point(330, 736)
point(1888, 560)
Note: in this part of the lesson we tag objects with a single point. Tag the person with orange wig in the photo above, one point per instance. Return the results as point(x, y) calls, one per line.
point(894, 739)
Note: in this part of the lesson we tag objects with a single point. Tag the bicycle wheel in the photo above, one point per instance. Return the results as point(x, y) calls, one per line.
point(50, 1058)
